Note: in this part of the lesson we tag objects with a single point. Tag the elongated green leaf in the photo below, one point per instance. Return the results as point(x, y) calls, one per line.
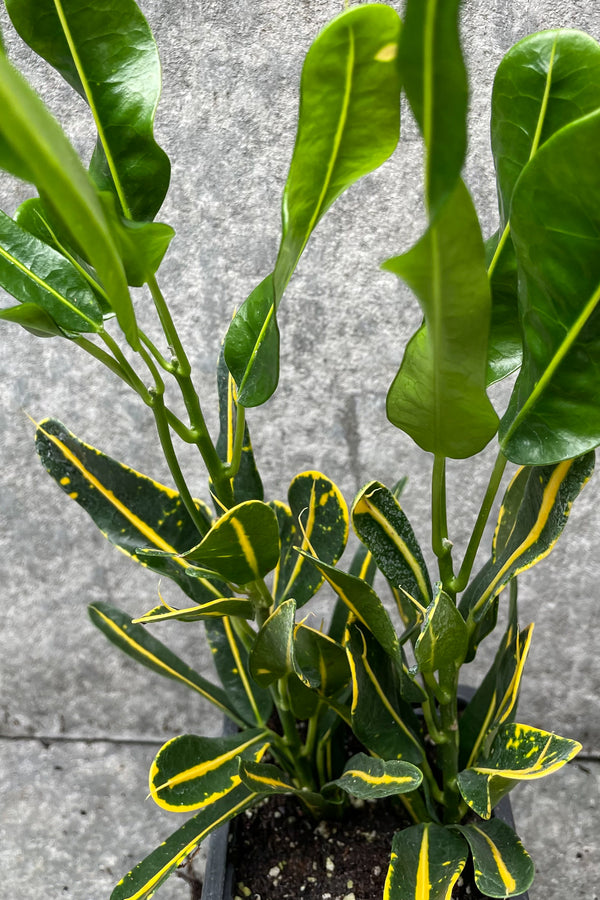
point(381, 524)
point(35, 273)
point(543, 507)
point(426, 863)
point(142, 882)
point(317, 521)
point(438, 396)
point(321, 660)
point(141, 245)
point(223, 606)
point(435, 80)
point(505, 344)
point(443, 641)
point(130, 509)
point(519, 753)
point(32, 318)
point(381, 719)
point(502, 866)
point(242, 546)
point(230, 657)
point(343, 134)
point(273, 655)
point(190, 772)
point(363, 566)
point(135, 641)
point(369, 779)
point(555, 222)
point(263, 778)
point(38, 151)
point(109, 56)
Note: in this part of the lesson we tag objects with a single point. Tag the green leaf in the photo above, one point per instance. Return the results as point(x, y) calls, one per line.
point(537, 512)
point(141, 245)
point(321, 660)
point(443, 641)
point(438, 396)
point(503, 868)
point(107, 53)
point(381, 524)
point(317, 520)
point(426, 863)
point(137, 642)
point(273, 655)
point(364, 567)
point(130, 509)
point(369, 779)
point(34, 273)
point(505, 347)
point(38, 150)
point(191, 772)
point(223, 606)
point(32, 319)
point(435, 81)
point(343, 134)
point(230, 657)
point(263, 778)
point(555, 221)
point(142, 882)
point(247, 484)
point(242, 546)
point(519, 753)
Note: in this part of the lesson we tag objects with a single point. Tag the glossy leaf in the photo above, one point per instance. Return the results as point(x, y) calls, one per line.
point(505, 346)
point(243, 544)
point(381, 524)
point(364, 567)
point(519, 753)
point(32, 318)
point(435, 81)
point(191, 772)
point(438, 396)
point(369, 779)
point(343, 134)
point(109, 56)
point(555, 223)
point(152, 872)
point(502, 866)
point(223, 606)
point(426, 863)
point(130, 509)
point(141, 245)
point(273, 654)
point(38, 150)
point(322, 660)
point(543, 506)
point(317, 520)
point(230, 657)
point(35, 273)
point(137, 642)
point(263, 778)
point(443, 641)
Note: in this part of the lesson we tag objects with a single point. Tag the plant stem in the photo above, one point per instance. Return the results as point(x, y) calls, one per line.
point(447, 749)
point(462, 578)
point(439, 525)
point(233, 465)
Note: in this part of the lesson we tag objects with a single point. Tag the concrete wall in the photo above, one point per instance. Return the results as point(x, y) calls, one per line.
point(74, 714)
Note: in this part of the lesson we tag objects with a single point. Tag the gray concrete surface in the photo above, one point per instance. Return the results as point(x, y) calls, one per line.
point(226, 118)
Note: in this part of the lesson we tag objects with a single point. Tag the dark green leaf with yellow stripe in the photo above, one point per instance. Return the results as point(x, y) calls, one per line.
point(425, 864)
point(130, 509)
point(190, 772)
point(519, 753)
point(381, 524)
point(243, 544)
point(230, 656)
point(319, 523)
point(273, 655)
point(543, 506)
point(137, 642)
point(384, 722)
point(369, 779)
point(363, 566)
point(153, 871)
point(321, 659)
point(264, 778)
point(443, 641)
point(224, 606)
point(502, 866)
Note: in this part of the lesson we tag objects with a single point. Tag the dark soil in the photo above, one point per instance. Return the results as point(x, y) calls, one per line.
point(278, 853)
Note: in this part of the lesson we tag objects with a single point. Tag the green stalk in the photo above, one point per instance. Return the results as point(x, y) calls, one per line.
point(439, 525)
point(233, 465)
point(447, 748)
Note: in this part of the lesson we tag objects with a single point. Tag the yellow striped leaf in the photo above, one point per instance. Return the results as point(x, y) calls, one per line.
point(263, 778)
point(143, 880)
point(425, 864)
point(230, 657)
point(443, 641)
point(502, 866)
point(368, 778)
point(130, 509)
point(519, 753)
point(190, 772)
point(223, 606)
point(273, 655)
point(316, 520)
point(321, 659)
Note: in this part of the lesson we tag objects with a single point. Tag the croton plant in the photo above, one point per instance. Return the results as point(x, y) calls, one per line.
point(387, 665)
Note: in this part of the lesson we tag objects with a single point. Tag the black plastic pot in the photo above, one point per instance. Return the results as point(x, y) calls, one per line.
point(219, 877)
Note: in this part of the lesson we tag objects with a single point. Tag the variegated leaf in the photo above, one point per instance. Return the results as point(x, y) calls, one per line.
point(426, 863)
point(263, 778)
point(519, 753)
point(190, 772)
point(502, 866)
point(443, 641)
point(369, 779)
point(321, 659)
point(223, 606)
point(317, 521)
point(363, 566)
point(273, 654)
point(230, 657)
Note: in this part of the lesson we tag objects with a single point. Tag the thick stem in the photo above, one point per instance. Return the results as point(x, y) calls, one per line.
point(442, 547)
point(447, 750)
